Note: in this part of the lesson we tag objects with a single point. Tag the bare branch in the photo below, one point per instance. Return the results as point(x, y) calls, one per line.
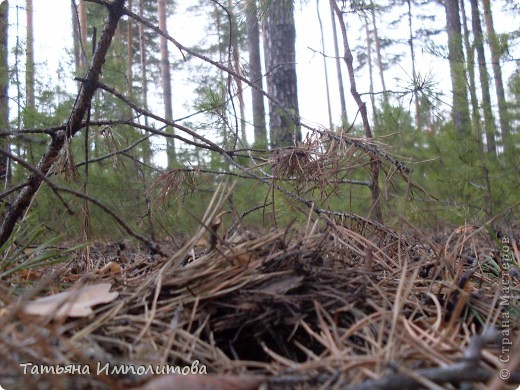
point(74, 123)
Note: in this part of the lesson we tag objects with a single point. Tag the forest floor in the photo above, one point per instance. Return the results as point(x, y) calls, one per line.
point(335, 304)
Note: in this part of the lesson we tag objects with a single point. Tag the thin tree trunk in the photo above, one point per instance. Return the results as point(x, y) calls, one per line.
point(147, 151)
point(470, 55)
point(166, 79)
point(418, 121)
point(236, 66)
point(280, 48)
point(29, 58)
point(82, 10)
point(374, 163)
point(505, 124)
point(89, 86)
point(4, 85)
point(221, 74)
point(325, 70)
point(379, 58)
point(371, 75)
point(76, 36)
point(343, 103)
point(460, 110)
point(489, 120)
point(130, 52)
point(142, 50)
point(475, 113)
point(255, 74)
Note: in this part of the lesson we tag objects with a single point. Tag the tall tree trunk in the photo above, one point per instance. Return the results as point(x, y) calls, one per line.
point(76, 36)
point(475, 112)
point(255, 74)
point(379, 58)
point(343, 103)
point(147, 151)
point(4, 84)
point(371, 75)
point(418, 121)
point(460, 110)
point(29, 57)
point(325, 70)
point(166, 79)
point(470, 55)
point(280, 48)
point(505, 124)
point(374, 163)
point(130, 52)
point(236, 66)
point(82, 10)
point(489, 120)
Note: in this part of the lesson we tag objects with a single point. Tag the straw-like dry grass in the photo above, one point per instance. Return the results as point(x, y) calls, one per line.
point(331, 305)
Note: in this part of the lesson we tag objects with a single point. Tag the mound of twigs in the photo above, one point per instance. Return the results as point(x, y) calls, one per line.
point(335, 304)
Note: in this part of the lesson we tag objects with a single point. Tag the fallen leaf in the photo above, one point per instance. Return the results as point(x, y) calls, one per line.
point(76, 302)
point(110, 268)
point(204, 382)
point(281, 287)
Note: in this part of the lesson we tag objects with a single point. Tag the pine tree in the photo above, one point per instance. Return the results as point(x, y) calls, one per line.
point(4, 84)
point(460, 110)
point(255, 73)
point(496, 53)
point(339, 73)
point(166, 79)
point(280, 56)
point(489, 120)
point(29, 58)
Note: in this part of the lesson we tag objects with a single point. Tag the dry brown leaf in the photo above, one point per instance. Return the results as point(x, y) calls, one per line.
point(281, 287)
point(110, 268)
point(204, 382)
point(76, 302)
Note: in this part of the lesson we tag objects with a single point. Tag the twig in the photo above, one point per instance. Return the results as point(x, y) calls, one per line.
point(465, 371)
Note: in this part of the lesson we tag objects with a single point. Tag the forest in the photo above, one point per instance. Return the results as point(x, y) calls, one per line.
point(259, 194)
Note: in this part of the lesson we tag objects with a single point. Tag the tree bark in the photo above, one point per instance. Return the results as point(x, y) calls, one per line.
point(503, 114)
point(280, 42)
point(460, 110)
point(255, 74)
point(23, 200)
point(29, 57)
point(489, 120)
point(166, 79)
point(4, 85)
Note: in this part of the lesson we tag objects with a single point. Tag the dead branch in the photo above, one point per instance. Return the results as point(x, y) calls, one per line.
point(74, 124)
point(363, 110)
point(467, 370)
point(40, 175)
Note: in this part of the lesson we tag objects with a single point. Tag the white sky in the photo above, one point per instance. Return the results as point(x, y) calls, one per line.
point(53, 37)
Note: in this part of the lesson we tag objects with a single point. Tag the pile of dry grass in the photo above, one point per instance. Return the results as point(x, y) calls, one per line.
point(336, 304)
